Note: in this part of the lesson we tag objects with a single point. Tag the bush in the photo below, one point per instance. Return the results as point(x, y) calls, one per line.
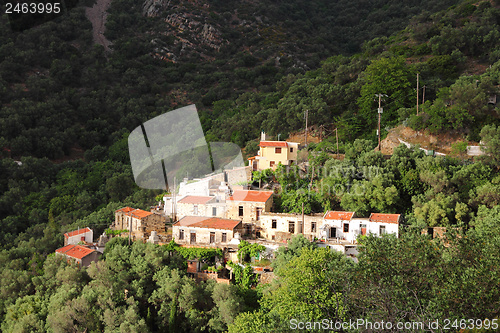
point(417, 123)
point(459, 148)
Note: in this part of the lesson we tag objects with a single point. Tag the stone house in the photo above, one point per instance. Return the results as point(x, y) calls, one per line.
point(139, 222)
point(218, 185)
point(200, 206)
point(74, 237)
point(249, 205)
point(200, 230)
point(82, 255)
point(281, 227)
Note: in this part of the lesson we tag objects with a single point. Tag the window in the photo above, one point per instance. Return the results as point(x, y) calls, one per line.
point(224, 237)
point(195, 210)
point(346, 227)
point(181, 234)
point(240, 211)
point(193, 237)
point(291, 227)
point(277, 150)
point(382, 230)
point(258, 212)
point(313, 226)
point(291, 149)
point(271, 164)
point(274, 224)
point(214, 211)
point(212, 237)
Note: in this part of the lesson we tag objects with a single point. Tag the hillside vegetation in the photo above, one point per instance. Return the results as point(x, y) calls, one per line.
point(67, 108)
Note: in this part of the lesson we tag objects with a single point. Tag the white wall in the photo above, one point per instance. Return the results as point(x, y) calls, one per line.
point(74, 240)
point(355, 228)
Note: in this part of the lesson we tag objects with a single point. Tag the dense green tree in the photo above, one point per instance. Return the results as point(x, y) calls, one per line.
point(490, 135)
point(375, 195)
point(311, 286)
point(389, 76)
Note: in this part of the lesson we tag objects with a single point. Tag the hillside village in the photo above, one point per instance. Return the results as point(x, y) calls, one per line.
point(380, 203)
point(219, 212)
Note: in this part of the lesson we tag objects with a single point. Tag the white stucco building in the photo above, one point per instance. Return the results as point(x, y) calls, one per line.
point(346, 226)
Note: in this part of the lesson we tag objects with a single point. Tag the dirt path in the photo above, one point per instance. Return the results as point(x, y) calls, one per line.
point(97, 15)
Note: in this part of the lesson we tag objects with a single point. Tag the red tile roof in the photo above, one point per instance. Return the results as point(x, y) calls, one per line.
point(138, 213)
point(337, 215)
point(125, 209)
point(207, 222)
point(386, 218)
point(188, 220)
point(273, 144)
point(251, 196)
point(193, 199)
point(75, 251)
point(76, 232)
point(64, 249)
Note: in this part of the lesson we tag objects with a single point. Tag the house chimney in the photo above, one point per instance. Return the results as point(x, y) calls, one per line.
point(262, 136)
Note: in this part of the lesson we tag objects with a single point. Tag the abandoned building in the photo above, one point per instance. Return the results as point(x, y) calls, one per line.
point(138, 222)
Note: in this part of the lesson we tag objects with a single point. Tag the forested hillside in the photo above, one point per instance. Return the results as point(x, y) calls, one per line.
point(67, 108)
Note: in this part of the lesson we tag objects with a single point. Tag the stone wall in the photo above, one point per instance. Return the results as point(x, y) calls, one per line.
point(203, 235)
point(249, 209)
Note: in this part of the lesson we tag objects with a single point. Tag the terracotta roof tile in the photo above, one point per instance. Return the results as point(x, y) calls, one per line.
point(77, 232)
point(138, 213)
point(207, 222)
point(75, 251)
point(386, 218)
point(193, 199)
point(188, 220)
point(64, 249)
point(251, 196)
point(338, 215)
point(273, 144)
point(125, 209)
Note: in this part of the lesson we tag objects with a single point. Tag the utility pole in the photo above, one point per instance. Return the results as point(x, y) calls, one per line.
point(129, 228)
point(301, 231)
point(306, 114)
point(174, 202)
point(379, 118)
point(417, 94)
point(380, 111)
point(337, 136)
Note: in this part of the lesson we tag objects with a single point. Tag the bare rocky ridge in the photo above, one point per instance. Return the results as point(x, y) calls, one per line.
point(190, 30)
point(97, 15)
